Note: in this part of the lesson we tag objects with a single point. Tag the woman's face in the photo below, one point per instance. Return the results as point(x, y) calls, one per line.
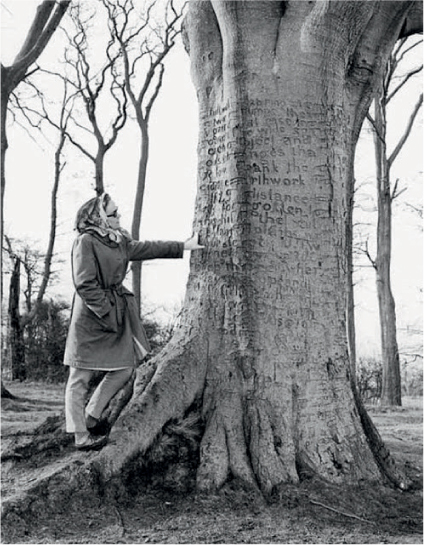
point(112, 215)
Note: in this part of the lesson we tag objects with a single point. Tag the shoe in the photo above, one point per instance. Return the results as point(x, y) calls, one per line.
point(100, 427)
point(92, 443)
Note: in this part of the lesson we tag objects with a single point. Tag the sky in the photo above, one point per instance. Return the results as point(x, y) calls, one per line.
point(171, 187)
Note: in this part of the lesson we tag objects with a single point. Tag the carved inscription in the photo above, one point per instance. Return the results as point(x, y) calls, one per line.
point(271, 200)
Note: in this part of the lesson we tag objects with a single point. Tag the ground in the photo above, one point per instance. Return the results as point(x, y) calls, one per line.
point(313, 512)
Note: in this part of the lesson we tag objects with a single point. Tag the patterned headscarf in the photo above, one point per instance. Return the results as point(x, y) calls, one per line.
point(91, 217)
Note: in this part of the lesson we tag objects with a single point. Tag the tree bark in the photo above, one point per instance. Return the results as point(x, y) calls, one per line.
point(98, 163)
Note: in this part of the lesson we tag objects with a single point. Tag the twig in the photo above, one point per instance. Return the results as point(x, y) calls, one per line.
point(341, 512)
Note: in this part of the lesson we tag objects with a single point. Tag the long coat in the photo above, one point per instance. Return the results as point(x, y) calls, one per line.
point(104, 317)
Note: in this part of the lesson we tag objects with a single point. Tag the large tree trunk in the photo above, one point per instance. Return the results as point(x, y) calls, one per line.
point(260, 352)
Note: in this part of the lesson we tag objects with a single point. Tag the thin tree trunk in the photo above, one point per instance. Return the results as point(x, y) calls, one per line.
point(350, 296)
point(391, 387)
point(32, 309)
point(4, 145)
point(138, 204)
point(99, 164)
point(53, 219)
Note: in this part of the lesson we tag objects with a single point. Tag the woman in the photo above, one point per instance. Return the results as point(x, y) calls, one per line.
point(105, 332)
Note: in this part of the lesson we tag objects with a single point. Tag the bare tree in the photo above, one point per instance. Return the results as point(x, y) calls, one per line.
point(144, 44)
point(387, 191)
point(27, 258)
point(96, 76)
point(48, 17)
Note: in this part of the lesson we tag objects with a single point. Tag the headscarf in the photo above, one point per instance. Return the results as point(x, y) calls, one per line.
point(91, 217)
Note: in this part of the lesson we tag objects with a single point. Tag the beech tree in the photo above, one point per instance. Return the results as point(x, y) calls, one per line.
point(260, 351)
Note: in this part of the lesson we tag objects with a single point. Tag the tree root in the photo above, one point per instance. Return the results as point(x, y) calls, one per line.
point(382, 456)
point(175, 386)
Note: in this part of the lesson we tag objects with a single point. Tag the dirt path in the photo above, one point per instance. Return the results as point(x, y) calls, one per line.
point(313, 512)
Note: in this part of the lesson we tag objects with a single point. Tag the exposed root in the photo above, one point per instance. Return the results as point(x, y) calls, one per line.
point(382, 456)
point(47, 440)
point(177, 383)
point(215, 464)
point(271, 468)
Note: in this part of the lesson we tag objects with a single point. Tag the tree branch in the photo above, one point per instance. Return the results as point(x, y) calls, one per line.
point(407, 132)
point(156, 91)
point(395, 193)
point(375, 128)
point(39, 38)
point(367, 253)
point(403, 82)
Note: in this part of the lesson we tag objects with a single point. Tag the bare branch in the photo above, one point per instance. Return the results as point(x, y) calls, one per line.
point(407, 131)
point(403, 82)
point(366, 252)
point(49, 15)
point(408, 49)
point(156, 91)
point(395, 193)
point(375, 128)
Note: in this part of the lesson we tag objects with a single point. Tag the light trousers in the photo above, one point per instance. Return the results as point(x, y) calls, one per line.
point(76, 395)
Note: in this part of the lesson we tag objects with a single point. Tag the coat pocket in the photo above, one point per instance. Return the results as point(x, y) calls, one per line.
point(109, 322)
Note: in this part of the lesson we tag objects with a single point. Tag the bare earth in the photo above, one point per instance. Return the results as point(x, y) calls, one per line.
point(313, 512)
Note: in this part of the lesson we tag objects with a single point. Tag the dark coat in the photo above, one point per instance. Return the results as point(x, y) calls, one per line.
point(104, 316)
